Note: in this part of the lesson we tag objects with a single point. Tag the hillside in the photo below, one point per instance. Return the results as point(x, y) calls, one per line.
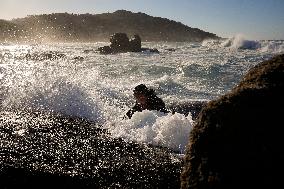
point(66, 27)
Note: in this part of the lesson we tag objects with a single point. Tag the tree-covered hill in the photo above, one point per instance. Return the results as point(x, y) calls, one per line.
point(64, 27)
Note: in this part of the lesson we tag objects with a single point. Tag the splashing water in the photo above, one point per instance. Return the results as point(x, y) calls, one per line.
point(99, 87)
point(156, 128)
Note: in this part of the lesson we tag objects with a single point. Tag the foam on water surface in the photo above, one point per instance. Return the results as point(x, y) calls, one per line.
point(99, 87)
point(156, 128)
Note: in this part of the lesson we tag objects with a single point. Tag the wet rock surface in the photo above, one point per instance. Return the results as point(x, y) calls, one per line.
point(237, 140)
point(42, 151)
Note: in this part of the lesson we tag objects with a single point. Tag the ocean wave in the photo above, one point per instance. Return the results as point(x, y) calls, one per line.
point(56, 95)
point(273, 46)
point(50, 86)
point(239, 42)
point(99, 88)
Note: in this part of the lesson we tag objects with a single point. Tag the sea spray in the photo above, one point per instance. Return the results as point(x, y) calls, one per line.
point(272, 46)
point(156, 128)
point(99, 87)
point(239, 42)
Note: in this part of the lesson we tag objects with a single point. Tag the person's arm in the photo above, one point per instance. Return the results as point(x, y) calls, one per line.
point(133, 110)
point(130, 113)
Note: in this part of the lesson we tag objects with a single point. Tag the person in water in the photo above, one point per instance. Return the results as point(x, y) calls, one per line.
point(146, 99)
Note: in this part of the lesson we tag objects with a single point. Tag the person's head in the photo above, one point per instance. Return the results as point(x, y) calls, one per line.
point(141, 93)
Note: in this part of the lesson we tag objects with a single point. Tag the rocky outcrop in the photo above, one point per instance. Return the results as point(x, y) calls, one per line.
point(135, 43)
point(237, 141)
point(40, 150)
point(120, 43)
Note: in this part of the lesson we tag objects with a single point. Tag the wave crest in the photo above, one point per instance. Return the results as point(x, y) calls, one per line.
point(239, 42)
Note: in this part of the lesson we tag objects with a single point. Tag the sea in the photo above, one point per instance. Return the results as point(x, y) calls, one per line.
point(74, 79)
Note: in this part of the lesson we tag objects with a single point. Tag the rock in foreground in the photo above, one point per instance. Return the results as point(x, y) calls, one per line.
point(237, 141)
point(47, 151)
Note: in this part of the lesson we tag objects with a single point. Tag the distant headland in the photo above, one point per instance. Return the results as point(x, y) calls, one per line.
point(65, 27)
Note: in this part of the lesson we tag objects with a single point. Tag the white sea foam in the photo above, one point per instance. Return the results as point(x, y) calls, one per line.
point(273, 46)
point(168, 130)
point(240, 42)
point(99, 88)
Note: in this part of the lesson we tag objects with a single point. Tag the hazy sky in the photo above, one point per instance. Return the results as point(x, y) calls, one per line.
point(256, 19)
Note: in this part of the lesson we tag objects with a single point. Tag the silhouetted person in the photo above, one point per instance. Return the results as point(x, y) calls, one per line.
point(146, 99)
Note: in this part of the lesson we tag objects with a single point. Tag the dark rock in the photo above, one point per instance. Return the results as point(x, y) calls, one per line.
point(150, 50)
point(171, 49)
point(51, 55)
point(237, 141)
point(105, 50)
point(135, 44)
point(39, 150)
point(154, 50)
point(88, 51)
point(121, 44)
point(79, 58)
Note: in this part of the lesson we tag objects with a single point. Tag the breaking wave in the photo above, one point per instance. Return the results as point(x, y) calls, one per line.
point(239, 42)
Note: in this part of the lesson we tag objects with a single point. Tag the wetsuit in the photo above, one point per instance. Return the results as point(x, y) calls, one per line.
point(153, 103)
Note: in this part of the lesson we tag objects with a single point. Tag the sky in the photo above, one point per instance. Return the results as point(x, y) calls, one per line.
point(254, 19)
